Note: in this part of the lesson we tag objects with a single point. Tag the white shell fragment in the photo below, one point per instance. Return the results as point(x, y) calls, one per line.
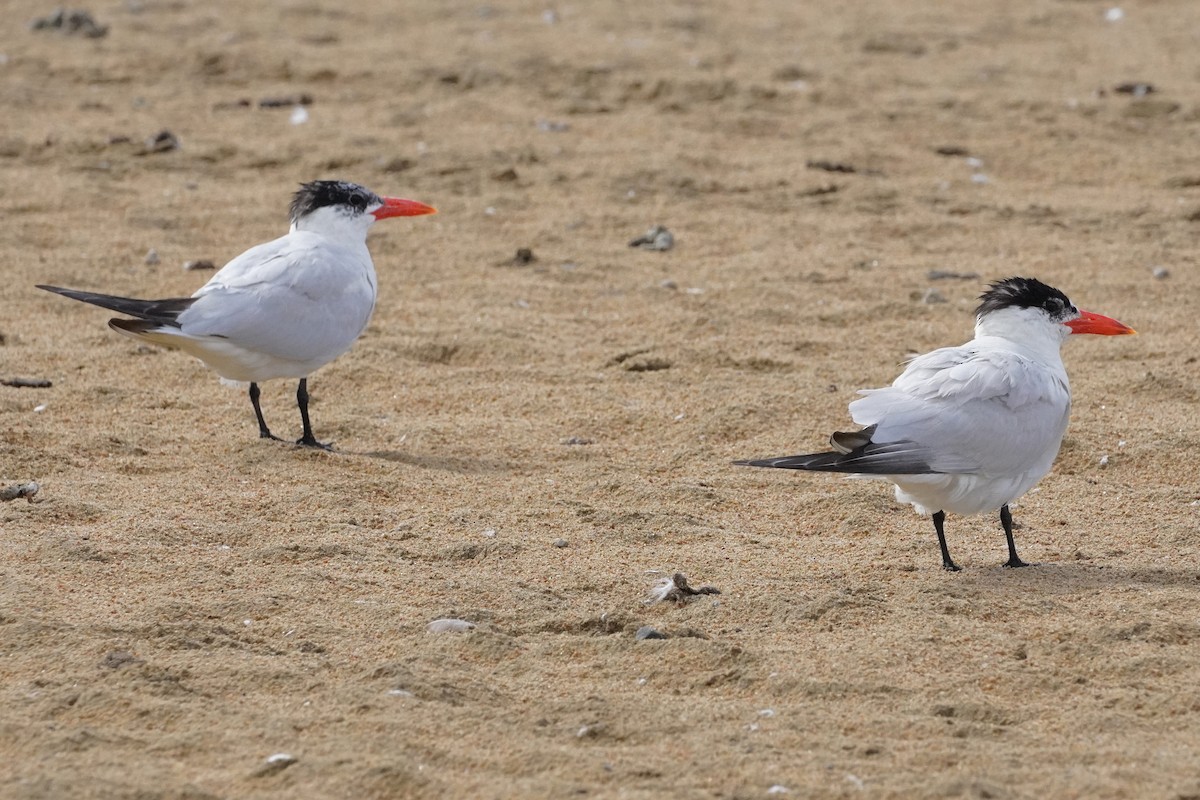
point(449, 626)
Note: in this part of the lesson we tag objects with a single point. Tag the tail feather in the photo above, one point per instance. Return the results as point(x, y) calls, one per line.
point(159, 312)
point(857, 454)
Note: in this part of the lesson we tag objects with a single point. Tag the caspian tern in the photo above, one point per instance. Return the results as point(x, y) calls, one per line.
point(970, 429)
point(281, 309)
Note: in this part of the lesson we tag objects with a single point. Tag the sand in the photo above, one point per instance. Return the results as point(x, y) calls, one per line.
point(187, 611)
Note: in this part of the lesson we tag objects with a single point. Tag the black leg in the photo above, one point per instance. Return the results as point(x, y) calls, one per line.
point(263, 431)
point(1006, 521)
point(939, 520)
point(308, 440)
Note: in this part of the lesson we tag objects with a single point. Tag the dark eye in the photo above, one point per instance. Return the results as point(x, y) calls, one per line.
point(359, 201)
point(1054, 305)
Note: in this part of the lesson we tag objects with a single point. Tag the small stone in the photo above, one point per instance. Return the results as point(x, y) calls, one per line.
point(17, 490)
point(71, 22)
point(560, 543)
point(449, 626)
point(116, 659)
point(657, 238)
point(945, 274)
point(1135, 88)
point(299, 115)
point(303, 99)
point(1161, 273)
point(524, 256)
point(152, 257)
point(576, 440)
point(647, 632)
point(198, 264)
point(161, 142)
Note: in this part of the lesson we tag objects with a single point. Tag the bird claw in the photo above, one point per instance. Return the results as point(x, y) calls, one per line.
point(310, 441)
point(1014, 563)
point(950, 566)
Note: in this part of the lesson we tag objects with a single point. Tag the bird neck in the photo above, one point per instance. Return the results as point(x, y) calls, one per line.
point(1024, 330)
point(330, 222)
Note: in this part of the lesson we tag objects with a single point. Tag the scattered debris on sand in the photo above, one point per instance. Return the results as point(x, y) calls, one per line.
point(677, 589)
point(18, 490)
point(657, 238)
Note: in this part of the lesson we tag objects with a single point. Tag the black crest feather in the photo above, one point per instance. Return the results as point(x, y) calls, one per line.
point(1024, 293)
point(319, 194)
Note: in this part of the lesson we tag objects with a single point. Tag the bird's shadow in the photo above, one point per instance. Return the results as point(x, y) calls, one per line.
point(468, 465)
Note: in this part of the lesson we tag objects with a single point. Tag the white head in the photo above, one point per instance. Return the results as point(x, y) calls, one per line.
point(340, 207)
point(1028, 311)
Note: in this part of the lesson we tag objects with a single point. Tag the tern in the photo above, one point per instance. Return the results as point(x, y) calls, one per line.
point(281, 309)
point(970, 429)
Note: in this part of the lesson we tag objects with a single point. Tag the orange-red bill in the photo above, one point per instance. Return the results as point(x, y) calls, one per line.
point(399, 207)
point(1099, 324)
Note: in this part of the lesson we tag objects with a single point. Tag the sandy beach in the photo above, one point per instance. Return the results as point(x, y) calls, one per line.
point(530, 443)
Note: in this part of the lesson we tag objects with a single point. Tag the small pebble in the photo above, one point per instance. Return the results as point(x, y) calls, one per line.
point(299, 115)
point(946, 274)
point(560, 543)
point(26, 490)
point(71, 22)
point(647, 632)
point(449, 626)
point(576, 440)
point(1104, 461)
point(1114, 14)
point(657, 238)
point(198, 264)
point(284, 101)
point(1135, 88)
point(151, 257)
point(162, 142)
point(1161, 273)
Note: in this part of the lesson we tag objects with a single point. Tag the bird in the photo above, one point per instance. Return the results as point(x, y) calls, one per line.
point(282, 309)
point(969, 429)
